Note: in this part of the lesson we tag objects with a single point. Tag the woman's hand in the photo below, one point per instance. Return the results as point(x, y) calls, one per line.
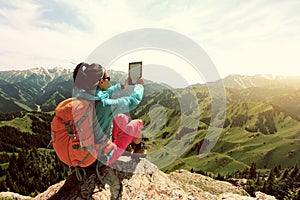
point(140, 81)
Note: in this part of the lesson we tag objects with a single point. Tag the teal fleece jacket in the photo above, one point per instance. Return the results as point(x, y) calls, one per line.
point(106, 107)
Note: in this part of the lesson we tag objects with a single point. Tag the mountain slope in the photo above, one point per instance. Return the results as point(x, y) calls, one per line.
point(26, 87)
point(283, 97)
point(42, 89)
point(253, 131)
point(258, 109)
point(261, 123)
point(242, 81)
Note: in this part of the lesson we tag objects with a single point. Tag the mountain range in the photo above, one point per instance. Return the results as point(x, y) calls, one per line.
point(262, 115)
point(261, 119)
point(25, 90)
point(42, 89)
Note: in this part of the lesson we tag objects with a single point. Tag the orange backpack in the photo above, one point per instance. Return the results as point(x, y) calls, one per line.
point(72, 132)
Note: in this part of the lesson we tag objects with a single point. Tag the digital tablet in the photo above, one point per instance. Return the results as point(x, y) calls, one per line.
point(135, 72)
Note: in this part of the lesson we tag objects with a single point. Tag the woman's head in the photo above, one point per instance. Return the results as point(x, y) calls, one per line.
point(104, 82)
point(87, 76)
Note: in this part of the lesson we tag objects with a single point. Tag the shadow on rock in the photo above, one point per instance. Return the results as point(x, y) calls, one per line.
point(92, 188)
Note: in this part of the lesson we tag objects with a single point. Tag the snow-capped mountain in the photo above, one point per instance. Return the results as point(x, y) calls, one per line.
point(43, 88)
point(32, 88)
point(43, 74)
point(243, 81)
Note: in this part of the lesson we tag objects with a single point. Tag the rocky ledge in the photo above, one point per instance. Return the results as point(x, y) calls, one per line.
point(140, 179)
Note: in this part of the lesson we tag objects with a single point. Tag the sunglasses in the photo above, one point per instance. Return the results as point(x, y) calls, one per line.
point(108, 78)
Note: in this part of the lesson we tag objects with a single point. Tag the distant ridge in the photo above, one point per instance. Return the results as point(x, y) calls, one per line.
point(243, 81)
point(26, 90)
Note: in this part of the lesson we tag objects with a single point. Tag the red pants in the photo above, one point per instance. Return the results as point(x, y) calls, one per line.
point(123, 134)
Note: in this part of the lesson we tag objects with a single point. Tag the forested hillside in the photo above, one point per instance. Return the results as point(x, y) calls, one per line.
point(261, 126)
point(26, 165)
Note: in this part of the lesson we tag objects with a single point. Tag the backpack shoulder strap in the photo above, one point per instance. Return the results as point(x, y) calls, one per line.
point(88, 114)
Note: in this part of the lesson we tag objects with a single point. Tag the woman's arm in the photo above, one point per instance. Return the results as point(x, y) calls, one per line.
point(127, 103)
point(113, 89)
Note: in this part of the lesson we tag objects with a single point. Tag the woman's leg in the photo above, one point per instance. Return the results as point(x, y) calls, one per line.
point(124, 133)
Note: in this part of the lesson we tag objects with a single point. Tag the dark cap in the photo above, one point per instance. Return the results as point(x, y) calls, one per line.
point(87, 76)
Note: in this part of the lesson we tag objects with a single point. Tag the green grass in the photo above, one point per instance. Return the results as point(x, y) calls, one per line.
point(9, 153)
point(236, 149)
point(213, 162)
point(21, 105)
point(256, 107)
point(23, 124)
point(285, 154)
point(4, 165)
point(2, 178)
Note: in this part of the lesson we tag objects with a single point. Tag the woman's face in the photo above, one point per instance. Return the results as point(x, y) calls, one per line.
point(104, 82)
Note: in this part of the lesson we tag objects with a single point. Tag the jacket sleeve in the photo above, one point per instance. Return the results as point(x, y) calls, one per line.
point(114, 89)
point(127, 103)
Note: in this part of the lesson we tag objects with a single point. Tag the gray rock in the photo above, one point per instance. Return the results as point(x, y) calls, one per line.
point(11, 195)
point(133, 179)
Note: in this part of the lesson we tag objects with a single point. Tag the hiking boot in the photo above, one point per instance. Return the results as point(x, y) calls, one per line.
point(128, 150)
point(139, 150)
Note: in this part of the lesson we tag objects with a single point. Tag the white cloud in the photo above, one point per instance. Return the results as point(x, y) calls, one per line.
point(21, 16)
point(240, 36)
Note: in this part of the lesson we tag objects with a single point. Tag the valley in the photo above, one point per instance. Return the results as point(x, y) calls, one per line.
point(261, 122)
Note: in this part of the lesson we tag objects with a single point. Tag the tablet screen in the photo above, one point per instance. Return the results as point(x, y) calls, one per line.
point(135, 71)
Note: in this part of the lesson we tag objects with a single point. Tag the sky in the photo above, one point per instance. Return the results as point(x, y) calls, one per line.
point(240, 37)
